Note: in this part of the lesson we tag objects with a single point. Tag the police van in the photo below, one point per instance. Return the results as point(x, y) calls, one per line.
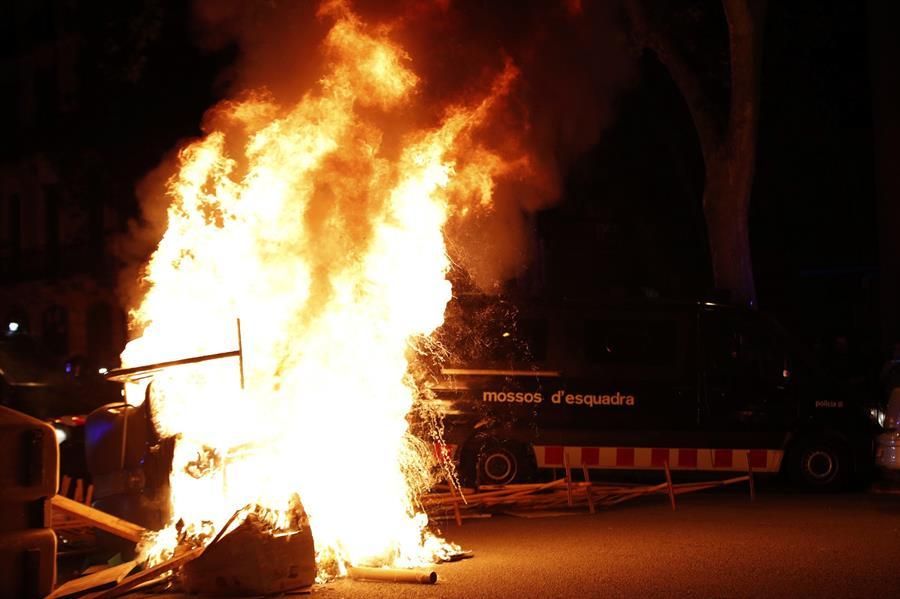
point(695, 386)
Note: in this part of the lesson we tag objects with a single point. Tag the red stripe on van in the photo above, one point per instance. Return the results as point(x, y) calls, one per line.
point(590, 456)
point(758, 458)
point(624, 456)
point(687, 458)
point(722, 458)
point(553, 455)
point(659, 456)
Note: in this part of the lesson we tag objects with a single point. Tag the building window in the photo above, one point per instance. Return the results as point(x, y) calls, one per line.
point(14, 233)
point(8, 30)
point(51, 226)
point(100, 332)
point(55, 330)
point(46, 92)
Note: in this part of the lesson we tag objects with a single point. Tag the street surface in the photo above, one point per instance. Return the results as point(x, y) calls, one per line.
point(716, 544)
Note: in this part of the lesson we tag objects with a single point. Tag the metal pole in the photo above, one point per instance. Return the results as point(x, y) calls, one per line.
point(240, 352)
point(125, 428)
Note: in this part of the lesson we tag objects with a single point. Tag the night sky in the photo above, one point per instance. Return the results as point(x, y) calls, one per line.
point(630, 209)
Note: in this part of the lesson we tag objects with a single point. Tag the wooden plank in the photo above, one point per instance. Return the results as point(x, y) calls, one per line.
point(466, 516)
point(79, 491)
point(64, 486)
point(669, 484)
point(587, 489)
point(112, 575)
point(134, 580)
point(750, 478)
point(98, 519)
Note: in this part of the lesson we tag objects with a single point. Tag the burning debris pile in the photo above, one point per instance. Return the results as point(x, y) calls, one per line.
point(251, 559)
point(321, 226)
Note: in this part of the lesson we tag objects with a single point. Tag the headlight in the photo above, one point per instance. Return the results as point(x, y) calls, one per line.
point(61, 435)
point(877, 416)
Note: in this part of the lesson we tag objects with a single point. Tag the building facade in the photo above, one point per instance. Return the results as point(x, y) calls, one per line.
point(56, 215)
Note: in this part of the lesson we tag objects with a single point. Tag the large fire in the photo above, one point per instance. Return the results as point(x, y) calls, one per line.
point(330, 249)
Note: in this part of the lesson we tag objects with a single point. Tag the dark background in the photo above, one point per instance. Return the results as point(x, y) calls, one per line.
point(95, 94)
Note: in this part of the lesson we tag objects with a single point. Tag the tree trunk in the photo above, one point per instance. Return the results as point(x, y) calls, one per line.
point(732, 261)
point(726, 200)
point(727, 142)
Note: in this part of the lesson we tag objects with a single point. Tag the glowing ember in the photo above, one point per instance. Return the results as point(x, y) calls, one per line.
point(330, 249)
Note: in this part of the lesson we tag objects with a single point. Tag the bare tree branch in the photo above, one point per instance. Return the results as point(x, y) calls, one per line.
point(727, 135)
point(701, 109)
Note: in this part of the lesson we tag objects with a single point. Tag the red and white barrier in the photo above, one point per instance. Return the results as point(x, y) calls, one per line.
point(653, 458)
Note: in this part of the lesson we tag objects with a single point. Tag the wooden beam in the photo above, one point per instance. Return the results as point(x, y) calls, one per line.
point(99, 519)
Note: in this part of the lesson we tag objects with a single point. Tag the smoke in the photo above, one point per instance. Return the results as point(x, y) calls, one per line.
point(133, 248)
point(572, 60)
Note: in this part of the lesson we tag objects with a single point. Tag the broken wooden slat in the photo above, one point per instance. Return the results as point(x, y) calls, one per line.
point(134, 580)
point(750, 478)
point(99, 519)
point(568, 478)
point(587, 488)
point(107, 576)
point(669, 484)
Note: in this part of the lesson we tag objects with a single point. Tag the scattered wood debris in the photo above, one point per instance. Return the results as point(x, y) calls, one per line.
point(560, 493)
point(107, 577)
point(131, 582)
point(74, 532)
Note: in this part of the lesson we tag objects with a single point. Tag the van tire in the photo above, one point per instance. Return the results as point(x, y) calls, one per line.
point(819, 464)
point(492, 462)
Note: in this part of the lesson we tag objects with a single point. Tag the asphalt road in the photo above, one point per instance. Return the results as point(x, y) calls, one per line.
point(714, 545)
point(720, 545)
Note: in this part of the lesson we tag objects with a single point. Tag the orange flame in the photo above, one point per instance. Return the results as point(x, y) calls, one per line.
point(331, 251)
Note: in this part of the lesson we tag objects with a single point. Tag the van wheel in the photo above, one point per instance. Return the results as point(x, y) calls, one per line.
point(820, 464)
point(498, 463)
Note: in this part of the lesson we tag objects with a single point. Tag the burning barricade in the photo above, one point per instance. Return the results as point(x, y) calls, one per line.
point(321, 228)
